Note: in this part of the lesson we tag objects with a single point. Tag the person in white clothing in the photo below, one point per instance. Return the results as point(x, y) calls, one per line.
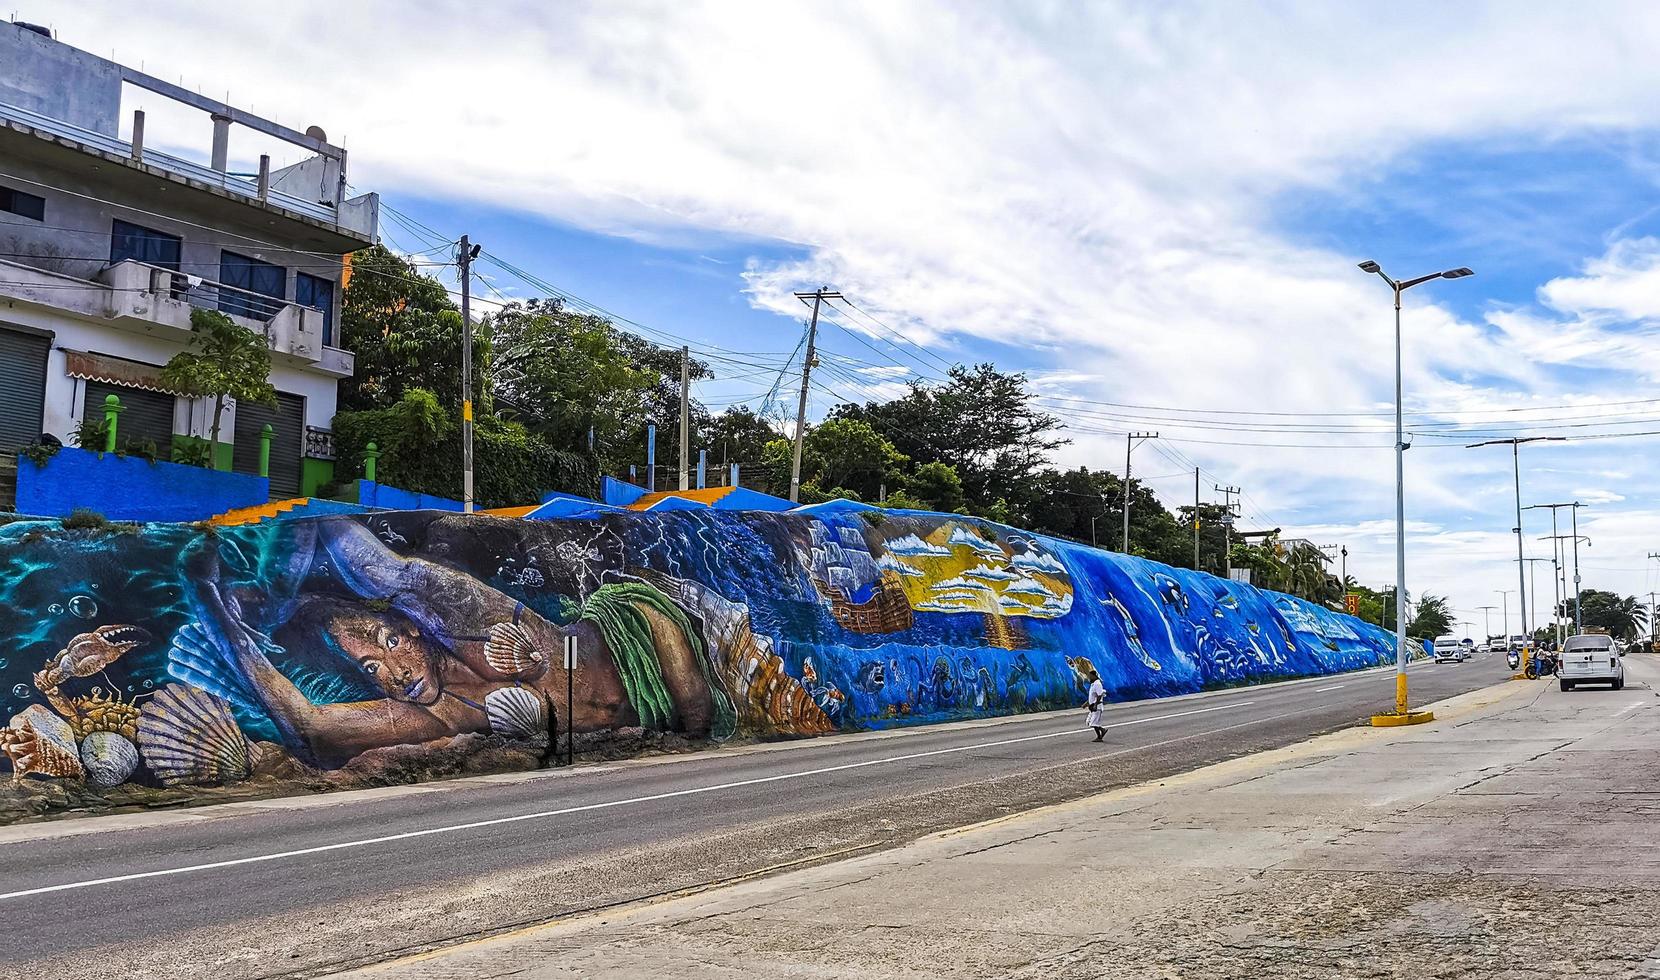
point(1097, 704)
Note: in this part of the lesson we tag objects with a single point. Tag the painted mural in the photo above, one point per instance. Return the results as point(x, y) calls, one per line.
point(159, 657)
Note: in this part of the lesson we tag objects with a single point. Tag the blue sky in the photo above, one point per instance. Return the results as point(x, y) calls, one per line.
point(1150, 206)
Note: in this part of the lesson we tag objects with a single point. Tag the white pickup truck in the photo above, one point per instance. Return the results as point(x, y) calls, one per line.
point(1591, 658)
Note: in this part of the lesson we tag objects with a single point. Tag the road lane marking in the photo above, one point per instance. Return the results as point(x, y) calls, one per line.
point(695, 791)
point(1334, 687)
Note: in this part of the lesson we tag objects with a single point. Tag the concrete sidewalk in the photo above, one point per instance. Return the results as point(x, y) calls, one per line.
point(1518, 836)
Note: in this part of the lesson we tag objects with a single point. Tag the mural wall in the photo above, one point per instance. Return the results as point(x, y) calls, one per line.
point(143, 660)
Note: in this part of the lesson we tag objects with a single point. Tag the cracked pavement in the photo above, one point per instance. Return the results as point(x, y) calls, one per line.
point(1512, 838)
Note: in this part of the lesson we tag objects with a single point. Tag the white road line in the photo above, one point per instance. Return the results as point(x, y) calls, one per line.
point(164, 872)
point(1334, 687)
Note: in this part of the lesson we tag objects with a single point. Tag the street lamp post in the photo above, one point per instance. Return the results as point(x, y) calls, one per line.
point(1521, 562)
point(1533, 585)
point(1402, 715)
point(1559, 562)
point(1504, 598)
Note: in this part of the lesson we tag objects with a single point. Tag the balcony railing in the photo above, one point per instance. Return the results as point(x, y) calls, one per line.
point(239, 186)
point(204, 294)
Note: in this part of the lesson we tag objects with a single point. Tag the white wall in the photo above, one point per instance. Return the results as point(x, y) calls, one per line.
point(64, 395)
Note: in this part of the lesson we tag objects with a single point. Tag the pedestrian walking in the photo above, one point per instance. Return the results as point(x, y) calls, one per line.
point(1097, 704)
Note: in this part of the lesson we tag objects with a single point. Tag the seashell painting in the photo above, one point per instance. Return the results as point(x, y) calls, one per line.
point(510, 650)
point(189, 738)
point(109, 759)
point(514, 712)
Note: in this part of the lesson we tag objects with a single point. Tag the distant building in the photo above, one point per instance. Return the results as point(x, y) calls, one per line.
point(107, 242)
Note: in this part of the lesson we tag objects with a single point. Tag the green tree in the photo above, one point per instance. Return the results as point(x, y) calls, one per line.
point(934, 486)
point(777, 461)
point(852, 455)
point(983, 423)
point(566, 374)
point(405, 333)
point(738, 435)
point(1432, 619)
point(1624, 617)
point(222, 360)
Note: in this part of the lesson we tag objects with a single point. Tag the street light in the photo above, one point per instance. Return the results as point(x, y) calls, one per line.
point(1515, 445)
point(1504, 597)
point(1402, 715)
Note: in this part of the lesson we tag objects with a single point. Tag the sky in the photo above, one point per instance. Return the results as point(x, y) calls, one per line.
point(1155, 210)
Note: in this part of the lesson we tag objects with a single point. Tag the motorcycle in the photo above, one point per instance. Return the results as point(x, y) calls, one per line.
point(1514, 659)
point(1542, 665)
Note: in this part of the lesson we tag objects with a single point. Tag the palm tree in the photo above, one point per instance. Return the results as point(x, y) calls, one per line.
point(1626, 618)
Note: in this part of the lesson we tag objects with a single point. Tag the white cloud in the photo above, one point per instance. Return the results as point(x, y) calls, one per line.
point(1092, 183)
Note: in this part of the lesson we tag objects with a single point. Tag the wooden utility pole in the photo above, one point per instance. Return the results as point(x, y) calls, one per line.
point(818, 296)
point(685, 414)
point(1129, 444)
point(465, 258)
point(1227, 526)
point(1195, 518)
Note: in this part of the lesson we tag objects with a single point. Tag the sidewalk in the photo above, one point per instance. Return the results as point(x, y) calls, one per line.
point(1517, 836)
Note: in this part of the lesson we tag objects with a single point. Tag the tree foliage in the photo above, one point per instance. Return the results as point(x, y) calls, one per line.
point(1433, 617)
point(222, 359)
point(1624, 617)
point(405, 334)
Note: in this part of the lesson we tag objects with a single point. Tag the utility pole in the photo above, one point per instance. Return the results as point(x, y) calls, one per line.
point(1345, 554)
point(1487, 612)
point(818, 296)
point(1195, 518)
point(464, 259)
point(1504, 597)
point(1228, 506)
point(685, 415)
point(1130, 439)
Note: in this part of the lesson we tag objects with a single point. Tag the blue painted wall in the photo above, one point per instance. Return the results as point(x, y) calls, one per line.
point(132, 489)
point(447, 630)
point(391, 498)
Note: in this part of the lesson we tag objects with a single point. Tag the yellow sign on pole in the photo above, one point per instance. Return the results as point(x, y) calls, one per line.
point(1351, 602)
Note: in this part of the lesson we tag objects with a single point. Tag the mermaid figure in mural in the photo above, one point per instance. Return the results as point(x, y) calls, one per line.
point(449, 654)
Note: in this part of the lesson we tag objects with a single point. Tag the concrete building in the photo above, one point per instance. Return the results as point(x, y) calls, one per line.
point(107, 244)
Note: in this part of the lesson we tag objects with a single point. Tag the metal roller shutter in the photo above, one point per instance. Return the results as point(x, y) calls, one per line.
point(145, 415)
point(22, 388)
point(287, 420)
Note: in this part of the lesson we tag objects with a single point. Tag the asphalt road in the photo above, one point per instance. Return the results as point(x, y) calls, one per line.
point(306, 886)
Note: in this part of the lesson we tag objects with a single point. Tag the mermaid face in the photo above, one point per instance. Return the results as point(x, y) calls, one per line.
point(392, 651)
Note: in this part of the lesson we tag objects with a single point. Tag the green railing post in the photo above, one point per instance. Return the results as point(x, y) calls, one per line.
point(265, 435)
point(112, 411)
point(371, 452)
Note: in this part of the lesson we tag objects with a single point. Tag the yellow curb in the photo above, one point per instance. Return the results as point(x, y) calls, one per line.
point(1394, 720)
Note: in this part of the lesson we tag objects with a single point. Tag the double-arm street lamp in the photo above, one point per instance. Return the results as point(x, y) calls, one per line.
point(1402, 715)
point(1515, 445)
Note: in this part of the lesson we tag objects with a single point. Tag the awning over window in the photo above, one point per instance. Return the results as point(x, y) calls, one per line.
point(115, 370)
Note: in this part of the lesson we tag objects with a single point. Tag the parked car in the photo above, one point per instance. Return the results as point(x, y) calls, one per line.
point(1518, 642)
point(1469, 646)
point(1448, 650)
point(1591, 658)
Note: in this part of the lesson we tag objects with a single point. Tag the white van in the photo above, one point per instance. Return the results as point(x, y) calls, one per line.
point(1448, 650)
point(1591, 658)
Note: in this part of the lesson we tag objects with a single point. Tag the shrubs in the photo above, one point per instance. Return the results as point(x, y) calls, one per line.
point(420, 451)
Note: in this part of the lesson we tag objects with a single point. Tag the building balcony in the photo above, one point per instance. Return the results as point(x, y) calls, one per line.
point(151, 300)
point(292, 192)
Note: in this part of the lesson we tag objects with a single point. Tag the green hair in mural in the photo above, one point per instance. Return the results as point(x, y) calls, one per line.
point(614, 608)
